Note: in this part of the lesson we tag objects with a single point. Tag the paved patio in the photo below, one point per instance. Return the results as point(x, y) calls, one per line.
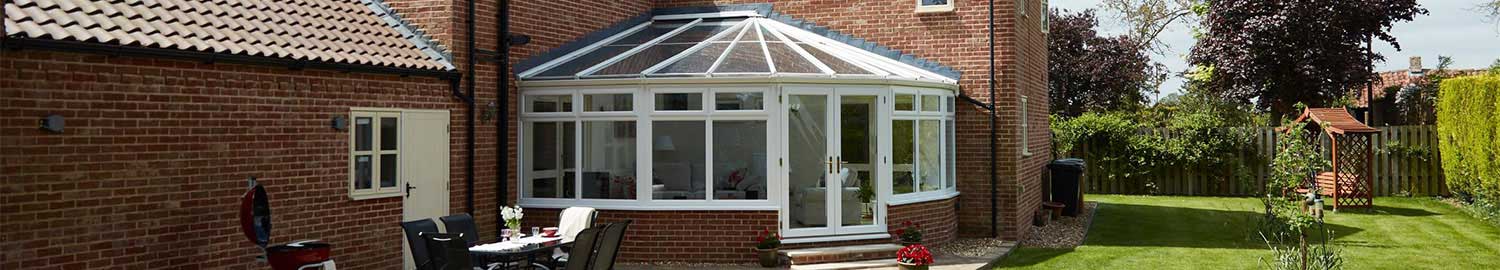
point(945, 261)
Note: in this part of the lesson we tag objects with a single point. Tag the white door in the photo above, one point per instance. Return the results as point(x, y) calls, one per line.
point(424, 166)
point(833, 161)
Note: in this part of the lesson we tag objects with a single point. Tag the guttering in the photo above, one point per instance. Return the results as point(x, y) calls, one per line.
point(211, 57)
point(738, 80)
point(994, 177)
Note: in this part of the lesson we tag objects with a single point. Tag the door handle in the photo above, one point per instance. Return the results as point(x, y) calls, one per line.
point(830, 164)
point(408, 189)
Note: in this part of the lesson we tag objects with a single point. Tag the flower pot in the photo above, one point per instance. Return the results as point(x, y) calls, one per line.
point(769, 257)
point(906, 266)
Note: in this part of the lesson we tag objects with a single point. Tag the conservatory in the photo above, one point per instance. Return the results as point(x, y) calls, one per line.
point(735, 111)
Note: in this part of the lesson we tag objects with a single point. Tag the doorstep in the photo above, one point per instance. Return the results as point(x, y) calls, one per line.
point(808, 256)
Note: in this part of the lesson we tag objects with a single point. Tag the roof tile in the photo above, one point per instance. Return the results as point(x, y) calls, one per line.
point(364, 32)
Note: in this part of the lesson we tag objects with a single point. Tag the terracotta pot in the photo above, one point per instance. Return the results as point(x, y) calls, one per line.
point(769, 257)
point(905, 266)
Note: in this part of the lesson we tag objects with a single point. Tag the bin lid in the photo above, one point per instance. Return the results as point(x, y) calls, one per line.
point(1073, 164)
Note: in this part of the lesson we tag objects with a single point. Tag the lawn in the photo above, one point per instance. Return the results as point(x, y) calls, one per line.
point(1161, 232)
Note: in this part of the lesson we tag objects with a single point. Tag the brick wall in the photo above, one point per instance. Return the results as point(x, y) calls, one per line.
point(156, 152)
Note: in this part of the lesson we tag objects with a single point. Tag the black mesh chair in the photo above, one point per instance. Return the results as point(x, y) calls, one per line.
point(609, 246)
point(445, 251)
point(414, 230)
point(582, 252)
point(464, 224)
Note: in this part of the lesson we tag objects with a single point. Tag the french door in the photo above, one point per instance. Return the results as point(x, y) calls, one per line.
point(834, 160)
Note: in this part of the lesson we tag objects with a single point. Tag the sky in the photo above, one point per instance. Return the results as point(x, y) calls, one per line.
point(1452, 28)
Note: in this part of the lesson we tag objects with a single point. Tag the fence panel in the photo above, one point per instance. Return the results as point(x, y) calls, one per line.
point(1395, 171)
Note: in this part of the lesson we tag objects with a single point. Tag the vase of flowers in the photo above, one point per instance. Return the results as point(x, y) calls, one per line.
point(909, 234)
point(512, 216)
point(766, 246)
point(913, 257)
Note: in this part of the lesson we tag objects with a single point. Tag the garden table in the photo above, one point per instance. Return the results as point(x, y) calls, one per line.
point(523, 250)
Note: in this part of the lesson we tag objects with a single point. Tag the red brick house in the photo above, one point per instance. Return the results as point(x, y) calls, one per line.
point(338, 106)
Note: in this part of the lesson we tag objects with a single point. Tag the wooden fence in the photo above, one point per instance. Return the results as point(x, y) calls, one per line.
point(1397, 170)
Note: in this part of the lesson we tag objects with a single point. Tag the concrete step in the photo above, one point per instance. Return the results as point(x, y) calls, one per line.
point(807, 256)
point(868, 264)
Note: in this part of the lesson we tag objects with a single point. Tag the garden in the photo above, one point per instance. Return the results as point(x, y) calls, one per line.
point(1254, 165)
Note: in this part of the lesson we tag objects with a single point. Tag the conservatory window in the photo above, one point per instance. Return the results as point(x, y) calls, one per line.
point(607, 102)
point(609, 154)
point(923, 152)
point(678, 166)
point(550, 152)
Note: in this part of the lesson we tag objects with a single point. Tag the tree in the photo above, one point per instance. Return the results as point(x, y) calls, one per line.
point(1089, 72)
point(1146, 19)
point(1279, 53)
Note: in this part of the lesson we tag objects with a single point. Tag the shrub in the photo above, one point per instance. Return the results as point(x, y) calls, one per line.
point(1468, 127)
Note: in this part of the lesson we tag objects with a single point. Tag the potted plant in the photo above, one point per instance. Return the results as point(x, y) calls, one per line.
point(866, 194)
point(909, 233)
point(512, 216)
point(913, 257)
point(766, 245)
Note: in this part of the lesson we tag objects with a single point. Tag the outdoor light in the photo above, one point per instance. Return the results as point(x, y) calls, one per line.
point(516, 40)
point(53, 123)
point(339, 122)
point(489, 111)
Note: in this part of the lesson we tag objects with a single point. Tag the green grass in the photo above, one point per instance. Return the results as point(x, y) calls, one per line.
point(1160, 232)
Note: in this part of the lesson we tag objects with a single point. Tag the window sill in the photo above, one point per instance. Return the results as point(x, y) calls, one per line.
point(374, 195)
point(935, 9)
point(912, 198)
point(633, 205)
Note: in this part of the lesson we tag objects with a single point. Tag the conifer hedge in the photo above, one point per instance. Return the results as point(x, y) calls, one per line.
point(1468, 126)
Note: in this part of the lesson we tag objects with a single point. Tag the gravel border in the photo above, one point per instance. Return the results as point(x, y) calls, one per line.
point(1067, 232)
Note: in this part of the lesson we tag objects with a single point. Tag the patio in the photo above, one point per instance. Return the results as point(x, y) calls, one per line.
point(1163, 232)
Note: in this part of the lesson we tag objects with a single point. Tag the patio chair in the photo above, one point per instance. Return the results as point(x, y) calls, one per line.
point(582, 253)
point(571, 221)
point(609, 246)
point(462, 223)
point(413, 230)
point(446, 251)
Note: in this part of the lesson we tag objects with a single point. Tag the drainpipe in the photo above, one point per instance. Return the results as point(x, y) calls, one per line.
point(994, 178)
point(502, 125)
point(468, 100)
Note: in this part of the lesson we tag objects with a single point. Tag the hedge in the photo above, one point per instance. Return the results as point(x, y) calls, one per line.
point(1468, 126)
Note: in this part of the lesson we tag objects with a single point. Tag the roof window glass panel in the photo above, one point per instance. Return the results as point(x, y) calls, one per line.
point(699, 61)
point(656, 29)
point(837, 65)
point(643, 59)
point(786, 59)
point(702, 31)
point(585, 61)
point(745, 57)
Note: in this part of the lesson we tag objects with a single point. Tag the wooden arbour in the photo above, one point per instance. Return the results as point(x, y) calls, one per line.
point(1350, 149)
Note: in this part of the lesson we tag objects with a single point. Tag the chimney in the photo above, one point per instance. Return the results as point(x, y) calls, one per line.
point(1416, 66)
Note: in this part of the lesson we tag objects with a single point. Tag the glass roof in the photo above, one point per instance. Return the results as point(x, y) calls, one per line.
point(723, 47)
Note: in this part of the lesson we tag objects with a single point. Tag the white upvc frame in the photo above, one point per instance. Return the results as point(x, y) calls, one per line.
point(375, 153)
point(1025, 120)
point(644, 113)
point(637, 49)
point(921, 8)
point(943, 115)
point(833, 223)
point(529, 73)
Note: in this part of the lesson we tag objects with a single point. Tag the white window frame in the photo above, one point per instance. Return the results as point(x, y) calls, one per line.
point(921, 8)
point(943, 116)
point(375, 191)
point(1046, 18)
point(1025, 126)
point(644, 113)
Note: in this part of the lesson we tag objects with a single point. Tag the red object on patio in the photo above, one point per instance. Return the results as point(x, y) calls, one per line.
point(1349, 145)
point(255, 222)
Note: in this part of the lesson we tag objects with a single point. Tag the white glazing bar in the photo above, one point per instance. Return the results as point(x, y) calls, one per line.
point(870, 58)
point(788, 42)
point(637, 49)
point(580, 52)
point(731, 47)
point(709, 15)
point(698, 47)
point(815, 41)
point(771, 64)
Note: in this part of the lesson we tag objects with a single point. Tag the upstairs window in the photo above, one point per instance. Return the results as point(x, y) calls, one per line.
point(933, 6)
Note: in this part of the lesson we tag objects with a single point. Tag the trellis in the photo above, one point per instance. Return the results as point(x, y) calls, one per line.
point(1350, 149)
